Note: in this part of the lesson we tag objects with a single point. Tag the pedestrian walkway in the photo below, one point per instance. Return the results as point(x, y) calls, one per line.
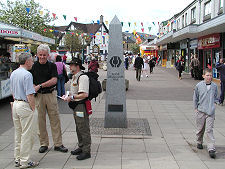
point(165, 102)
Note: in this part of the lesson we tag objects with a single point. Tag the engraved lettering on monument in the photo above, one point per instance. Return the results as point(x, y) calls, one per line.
point(115, 106)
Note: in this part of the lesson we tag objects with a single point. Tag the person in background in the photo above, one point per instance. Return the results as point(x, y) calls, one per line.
point(61, 79)
point(64, 58)
point(205, 98)
point(126, 61)
point(220, 66)
point(180, 67)
point(93, 66)
point(23, 111)
point(138, 64)
point(151, 64)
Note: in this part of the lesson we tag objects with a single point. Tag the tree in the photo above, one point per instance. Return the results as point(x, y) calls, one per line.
point(135, 48)
point(15, 13)
point(73, 41)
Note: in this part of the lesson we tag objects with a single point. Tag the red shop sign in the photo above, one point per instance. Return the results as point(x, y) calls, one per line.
point(209, 41)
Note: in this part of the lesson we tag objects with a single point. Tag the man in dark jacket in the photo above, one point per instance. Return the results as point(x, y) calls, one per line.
point(138, 64)
point(220, 66)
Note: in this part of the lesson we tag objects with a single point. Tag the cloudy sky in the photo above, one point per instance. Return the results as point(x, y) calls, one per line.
point(146, 11)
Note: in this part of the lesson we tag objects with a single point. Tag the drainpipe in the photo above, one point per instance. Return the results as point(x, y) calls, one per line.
point(189, 53)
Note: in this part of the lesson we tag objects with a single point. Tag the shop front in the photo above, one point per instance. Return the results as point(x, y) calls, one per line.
point(194, 46)
point(163, 49)
point(13, 41)
point(172, 49)
point(210, 51)
point(185, 54)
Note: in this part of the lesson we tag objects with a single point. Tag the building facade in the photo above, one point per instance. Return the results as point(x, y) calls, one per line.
point(198, 29)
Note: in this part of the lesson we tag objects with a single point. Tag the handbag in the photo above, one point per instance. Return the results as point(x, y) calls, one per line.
point(65, 74)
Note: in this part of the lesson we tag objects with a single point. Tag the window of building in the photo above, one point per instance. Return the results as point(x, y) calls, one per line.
point(182, 21)
point(221, 3)
point(207, 9)
point(193, 14)
point(186, 19)
point(178, 22)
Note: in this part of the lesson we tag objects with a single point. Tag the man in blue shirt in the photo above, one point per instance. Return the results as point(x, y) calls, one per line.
point(24, 116)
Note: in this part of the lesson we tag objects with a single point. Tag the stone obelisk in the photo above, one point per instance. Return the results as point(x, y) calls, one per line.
point(115, 106)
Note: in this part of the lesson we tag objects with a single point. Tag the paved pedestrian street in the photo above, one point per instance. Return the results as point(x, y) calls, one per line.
point(162, 100)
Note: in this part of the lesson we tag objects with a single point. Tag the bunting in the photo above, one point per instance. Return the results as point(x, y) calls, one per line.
point(75, 18)
point(142, 24)
point(149, 28)
point(54, 15)
point(135, 23)
point(98, 22)
point(106, 22)
point(64, 16)
point(153, 23)
point(129, 24)
point(142, 29)
point(28, 10)
point(122, 23)
point(41, 12)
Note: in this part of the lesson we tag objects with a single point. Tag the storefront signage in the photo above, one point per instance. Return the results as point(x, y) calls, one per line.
point(5, 88)
point(9, 32)
point(194, 44)
point(210, 41)
point(183, 44)
point(164, 47)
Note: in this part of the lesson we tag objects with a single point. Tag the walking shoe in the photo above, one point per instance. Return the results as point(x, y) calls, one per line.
point(78, 151)
point(61, 148)
point(17, 163)
point(199, 146)
point(30, 165)
point(43, 149)
point(212, 153)
point(84, 156)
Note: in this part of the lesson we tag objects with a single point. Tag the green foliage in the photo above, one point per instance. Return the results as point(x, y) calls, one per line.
point(73, 43)
point(14, 12)
point(135, 48)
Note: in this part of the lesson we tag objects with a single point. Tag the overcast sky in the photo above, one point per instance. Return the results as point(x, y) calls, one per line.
point(146, 11)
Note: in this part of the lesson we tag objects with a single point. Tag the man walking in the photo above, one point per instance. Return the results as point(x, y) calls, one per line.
point(221, 69)
point(79, 91)
point(45, 79)
point(195, 65)
point(138, 64)
point(23, 111)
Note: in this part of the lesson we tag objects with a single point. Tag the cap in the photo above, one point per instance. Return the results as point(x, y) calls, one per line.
point(76, 61)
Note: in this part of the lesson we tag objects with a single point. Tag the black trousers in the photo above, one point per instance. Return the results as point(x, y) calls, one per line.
point(138, 74)
point(222, 92)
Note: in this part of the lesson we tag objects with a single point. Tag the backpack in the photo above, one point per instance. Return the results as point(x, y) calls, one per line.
point(95, 87)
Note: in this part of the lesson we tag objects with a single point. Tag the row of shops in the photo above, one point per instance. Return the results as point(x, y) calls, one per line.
point(13, 41)
point(209, 49)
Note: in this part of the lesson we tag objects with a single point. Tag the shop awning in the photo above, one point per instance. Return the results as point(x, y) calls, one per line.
point(21, 35)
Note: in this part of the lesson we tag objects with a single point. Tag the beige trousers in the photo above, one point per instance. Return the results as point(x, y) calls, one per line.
point(26, 128)
point(48, 103)
point(204, 123)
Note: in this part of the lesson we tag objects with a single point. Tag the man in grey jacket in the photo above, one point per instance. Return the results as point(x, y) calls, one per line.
point(204, 98)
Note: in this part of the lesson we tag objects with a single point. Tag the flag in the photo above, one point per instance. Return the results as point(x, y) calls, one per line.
point(153, 23)
point(142, 29)
point(75, 18)
point(41, 12)
point(28, 10)
point(129, 24)
point(45, 30)
point(135, 23)
point(149, 28)
point(51, 30)
point(122, 23)
point(106, 22)
point(54, 15)
point(142, 24)
point(98, 22)
point(64, 16)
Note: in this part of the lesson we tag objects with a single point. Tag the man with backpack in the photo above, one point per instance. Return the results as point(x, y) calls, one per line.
point(79, 93)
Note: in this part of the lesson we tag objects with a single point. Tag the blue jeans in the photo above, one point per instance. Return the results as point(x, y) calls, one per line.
point(61, 85)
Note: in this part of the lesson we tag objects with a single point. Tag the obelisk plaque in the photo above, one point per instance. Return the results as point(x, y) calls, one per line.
point(115, 106)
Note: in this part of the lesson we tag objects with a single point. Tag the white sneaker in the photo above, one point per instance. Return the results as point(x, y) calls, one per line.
point(30, 165)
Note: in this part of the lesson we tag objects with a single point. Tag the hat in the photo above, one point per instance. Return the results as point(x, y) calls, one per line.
point(77, 61)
